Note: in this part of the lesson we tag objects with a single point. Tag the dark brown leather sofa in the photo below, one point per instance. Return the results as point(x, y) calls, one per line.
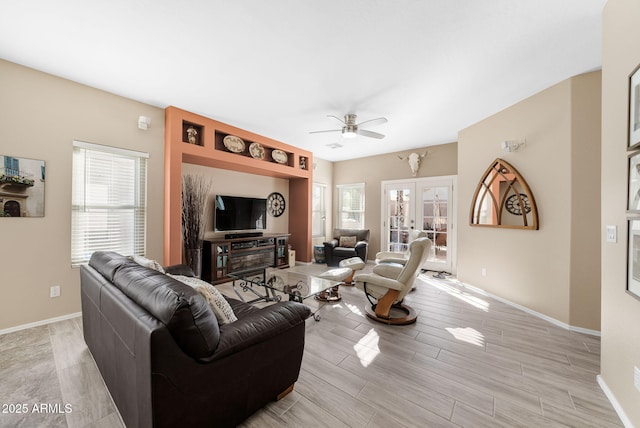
point(165, 359)
point(334, 252)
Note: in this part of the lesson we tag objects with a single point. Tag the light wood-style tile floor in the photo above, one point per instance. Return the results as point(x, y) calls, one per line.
point(469, 361)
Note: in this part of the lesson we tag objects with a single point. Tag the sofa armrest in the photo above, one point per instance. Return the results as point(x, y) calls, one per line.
point(259, 326)
point(361, 244)
point(179, 269)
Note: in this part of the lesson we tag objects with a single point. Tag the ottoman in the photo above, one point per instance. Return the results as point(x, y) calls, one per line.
point(353, 263)
point(338, 274)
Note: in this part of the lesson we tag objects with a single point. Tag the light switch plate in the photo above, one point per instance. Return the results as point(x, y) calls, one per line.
point(612, 233)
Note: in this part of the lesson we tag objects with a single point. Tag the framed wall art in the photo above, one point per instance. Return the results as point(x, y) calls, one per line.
point(633, 199)
point(634, 109)
point(21, 187)
point(633, 257)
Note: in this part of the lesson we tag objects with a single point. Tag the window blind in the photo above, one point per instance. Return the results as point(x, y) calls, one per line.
point(108, 201)
point(351, 206)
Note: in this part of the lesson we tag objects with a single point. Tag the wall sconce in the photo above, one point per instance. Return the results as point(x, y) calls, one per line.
point(512, 146)
point(144, 122)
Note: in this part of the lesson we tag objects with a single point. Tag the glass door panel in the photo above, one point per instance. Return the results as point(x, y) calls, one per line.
point(436, 222)
point(399, 208)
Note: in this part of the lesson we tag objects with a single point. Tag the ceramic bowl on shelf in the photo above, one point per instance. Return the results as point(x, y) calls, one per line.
point(279, 156)
point(233, 144)
point(256, 151)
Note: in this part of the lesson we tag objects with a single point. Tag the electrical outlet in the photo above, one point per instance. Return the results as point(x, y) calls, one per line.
point(636, 377)
point(612, 233)
point(54, 291)
point(484, 271)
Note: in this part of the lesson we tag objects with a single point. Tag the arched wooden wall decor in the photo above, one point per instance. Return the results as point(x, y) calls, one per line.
point(503, 199)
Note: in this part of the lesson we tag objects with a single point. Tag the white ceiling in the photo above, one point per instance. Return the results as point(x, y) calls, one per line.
point(278, 67)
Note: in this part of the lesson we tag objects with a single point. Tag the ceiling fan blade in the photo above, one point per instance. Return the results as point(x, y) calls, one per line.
point(336, 118)
point(370, 134)
point(376, 121)
point(328, 130)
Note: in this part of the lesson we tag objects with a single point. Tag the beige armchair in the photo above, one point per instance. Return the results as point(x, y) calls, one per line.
point(389, 283)
point(400, 256)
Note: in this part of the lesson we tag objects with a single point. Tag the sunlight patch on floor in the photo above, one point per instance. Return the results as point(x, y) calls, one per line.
point(354, 309)
point(458, 294)
point(467, 334)
point(367, 348)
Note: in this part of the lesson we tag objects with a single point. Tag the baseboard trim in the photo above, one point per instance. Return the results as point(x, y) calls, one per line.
point(616, 406)
point(532, 312)
point(39, 323)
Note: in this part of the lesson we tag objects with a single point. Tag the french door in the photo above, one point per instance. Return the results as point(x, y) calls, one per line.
point(427, 204)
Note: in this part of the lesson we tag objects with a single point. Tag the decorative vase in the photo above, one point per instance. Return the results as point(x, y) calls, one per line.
point(318, 253)
point(193, 259)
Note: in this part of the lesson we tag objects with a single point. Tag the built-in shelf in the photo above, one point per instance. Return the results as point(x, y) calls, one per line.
point(192, 133)
point(207, 148)
point(254, 149)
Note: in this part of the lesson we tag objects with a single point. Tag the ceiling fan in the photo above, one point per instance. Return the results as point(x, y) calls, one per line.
point(351, 129)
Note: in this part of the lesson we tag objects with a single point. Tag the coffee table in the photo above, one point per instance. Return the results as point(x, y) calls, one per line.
point(266, 281)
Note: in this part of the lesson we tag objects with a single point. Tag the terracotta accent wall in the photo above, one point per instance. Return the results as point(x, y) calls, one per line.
point(372, 170)
point(554, 270)
point(620, 311)
point(41, 115)
point(210, 151)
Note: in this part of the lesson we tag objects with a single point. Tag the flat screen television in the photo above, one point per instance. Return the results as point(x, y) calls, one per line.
point(239, 213)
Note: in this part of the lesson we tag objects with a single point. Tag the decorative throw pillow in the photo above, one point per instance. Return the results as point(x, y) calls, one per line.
point(219, 305)
point(148, 263)
point(347, 241)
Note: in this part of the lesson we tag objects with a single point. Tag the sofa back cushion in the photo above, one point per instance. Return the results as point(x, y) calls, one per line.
point(182, 309)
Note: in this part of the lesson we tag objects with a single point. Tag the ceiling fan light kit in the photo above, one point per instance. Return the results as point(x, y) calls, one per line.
point(351, 129)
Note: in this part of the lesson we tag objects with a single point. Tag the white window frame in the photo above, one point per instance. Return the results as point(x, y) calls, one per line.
point(98, 222)
point(342, 188)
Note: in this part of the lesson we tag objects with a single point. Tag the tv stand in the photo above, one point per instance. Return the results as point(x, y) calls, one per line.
point(236, 235)
point(222, 256)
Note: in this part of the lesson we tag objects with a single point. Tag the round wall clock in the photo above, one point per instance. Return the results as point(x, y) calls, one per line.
point(514, 207)
point(275, 204)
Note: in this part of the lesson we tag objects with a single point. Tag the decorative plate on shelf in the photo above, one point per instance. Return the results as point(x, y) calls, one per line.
point(256, 150)
point(233, 144)
point(279, 156)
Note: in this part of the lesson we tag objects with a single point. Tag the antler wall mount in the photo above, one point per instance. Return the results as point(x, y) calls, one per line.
point(414, 161)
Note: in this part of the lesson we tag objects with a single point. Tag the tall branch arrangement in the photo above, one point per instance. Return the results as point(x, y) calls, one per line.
point(194, 208)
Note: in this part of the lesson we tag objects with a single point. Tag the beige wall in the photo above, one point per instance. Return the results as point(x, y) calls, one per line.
point(372, 170)
point(41, 115)
point(584, 292)
point(232, 183)
point(536, 268)
point(620, 311)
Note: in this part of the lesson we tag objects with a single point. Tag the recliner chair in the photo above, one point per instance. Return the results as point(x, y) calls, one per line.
point(346, 243)
point(400, 256)
point(389, 283)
